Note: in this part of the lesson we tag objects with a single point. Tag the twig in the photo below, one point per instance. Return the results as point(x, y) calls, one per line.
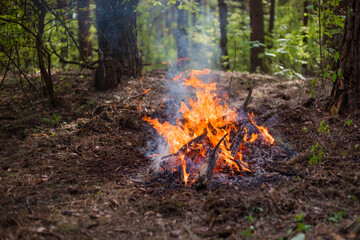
point(18, 67)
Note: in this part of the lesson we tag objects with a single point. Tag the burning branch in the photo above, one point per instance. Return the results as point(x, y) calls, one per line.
point(208, 167)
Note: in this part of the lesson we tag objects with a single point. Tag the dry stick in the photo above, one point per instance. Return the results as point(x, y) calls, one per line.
point(247, 100)
point(234, 147)
point(18, 67)
point(208, 167)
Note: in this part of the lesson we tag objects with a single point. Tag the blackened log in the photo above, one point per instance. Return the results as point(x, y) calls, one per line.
point(208, 167)
point(187, 146)
point(247, 100)
point(234, 147)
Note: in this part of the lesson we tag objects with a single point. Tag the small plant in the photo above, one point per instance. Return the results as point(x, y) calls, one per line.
point(324, 128)
point(353, 197)
point(56, 118)
point(317, 153)
point(344, 153)
point(301, 226)
point(348, 122)
point(337, 216)
point(250, 218)
point(304, 129)
point(46, 120)
point(248, 232)
point(356, 147)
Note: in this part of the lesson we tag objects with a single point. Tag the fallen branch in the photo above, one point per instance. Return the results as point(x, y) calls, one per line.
point(208, 167)
point(187, 146)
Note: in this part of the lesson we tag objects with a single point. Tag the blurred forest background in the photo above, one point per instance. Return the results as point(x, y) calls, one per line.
point(285, 37)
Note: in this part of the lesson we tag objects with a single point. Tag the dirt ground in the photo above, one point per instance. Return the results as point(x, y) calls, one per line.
point(79, 171)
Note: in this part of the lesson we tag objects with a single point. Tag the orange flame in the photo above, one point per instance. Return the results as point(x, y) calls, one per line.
point(263, 130)
point(209, 114)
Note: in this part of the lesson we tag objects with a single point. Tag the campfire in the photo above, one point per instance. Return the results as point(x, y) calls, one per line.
point(209, 136)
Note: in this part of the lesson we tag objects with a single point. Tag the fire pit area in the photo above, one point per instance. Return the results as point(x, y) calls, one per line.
point(203, 138)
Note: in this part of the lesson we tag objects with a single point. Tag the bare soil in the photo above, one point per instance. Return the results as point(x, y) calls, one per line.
point(79, 171)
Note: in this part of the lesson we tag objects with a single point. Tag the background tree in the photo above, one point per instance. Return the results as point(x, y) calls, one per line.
point(272, 17)
point(345, 95)
point(257, 34)
point(223, 38)
point(85, 45)
point(44, 57)
point(119, 55)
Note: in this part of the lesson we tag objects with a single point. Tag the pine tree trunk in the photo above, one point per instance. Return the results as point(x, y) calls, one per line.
point(272, 17)
point(119, 55)
point(223, 39)
point(257, 34)
point(345, 95)
point(84, 28)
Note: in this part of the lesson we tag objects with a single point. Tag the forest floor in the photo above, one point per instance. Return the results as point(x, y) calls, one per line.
point(80, 171)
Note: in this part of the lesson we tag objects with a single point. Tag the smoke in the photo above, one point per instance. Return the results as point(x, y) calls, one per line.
point(198, 41)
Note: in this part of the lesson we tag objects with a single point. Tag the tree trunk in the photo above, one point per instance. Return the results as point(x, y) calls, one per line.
point(257, 34)
point(272, 17)
point(84, 28)
point(119, 55)
point(45, 73)
point(223, 39)
point(182, 42)
point(305, 18)
point(345, 95)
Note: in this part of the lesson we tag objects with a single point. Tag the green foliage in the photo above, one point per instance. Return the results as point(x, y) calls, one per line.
point(348, 122)
point(337, 216)
point(317, 153)
point(301, 226)
point(248, 232)
point(324, 128)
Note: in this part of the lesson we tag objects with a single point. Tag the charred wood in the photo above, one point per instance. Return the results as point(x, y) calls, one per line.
point(208, 167)
point(187, 146)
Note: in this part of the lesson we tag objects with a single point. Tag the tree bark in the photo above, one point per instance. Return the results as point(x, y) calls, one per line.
point(223, 39)
point(345, 95)
point(257, 34)
point(182, 42)
point(45, 73)
point(305, 19)
point(272, 17)
point(119, 55)
point(84, 28)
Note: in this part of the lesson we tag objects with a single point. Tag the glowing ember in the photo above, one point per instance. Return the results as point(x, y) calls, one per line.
point(206, 115)
point(147, 90)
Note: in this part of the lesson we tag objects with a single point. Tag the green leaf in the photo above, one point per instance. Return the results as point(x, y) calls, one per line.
point(336, 56)
point(334, 76)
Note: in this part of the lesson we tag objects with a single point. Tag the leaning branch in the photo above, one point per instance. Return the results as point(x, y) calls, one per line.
point(17, 66)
